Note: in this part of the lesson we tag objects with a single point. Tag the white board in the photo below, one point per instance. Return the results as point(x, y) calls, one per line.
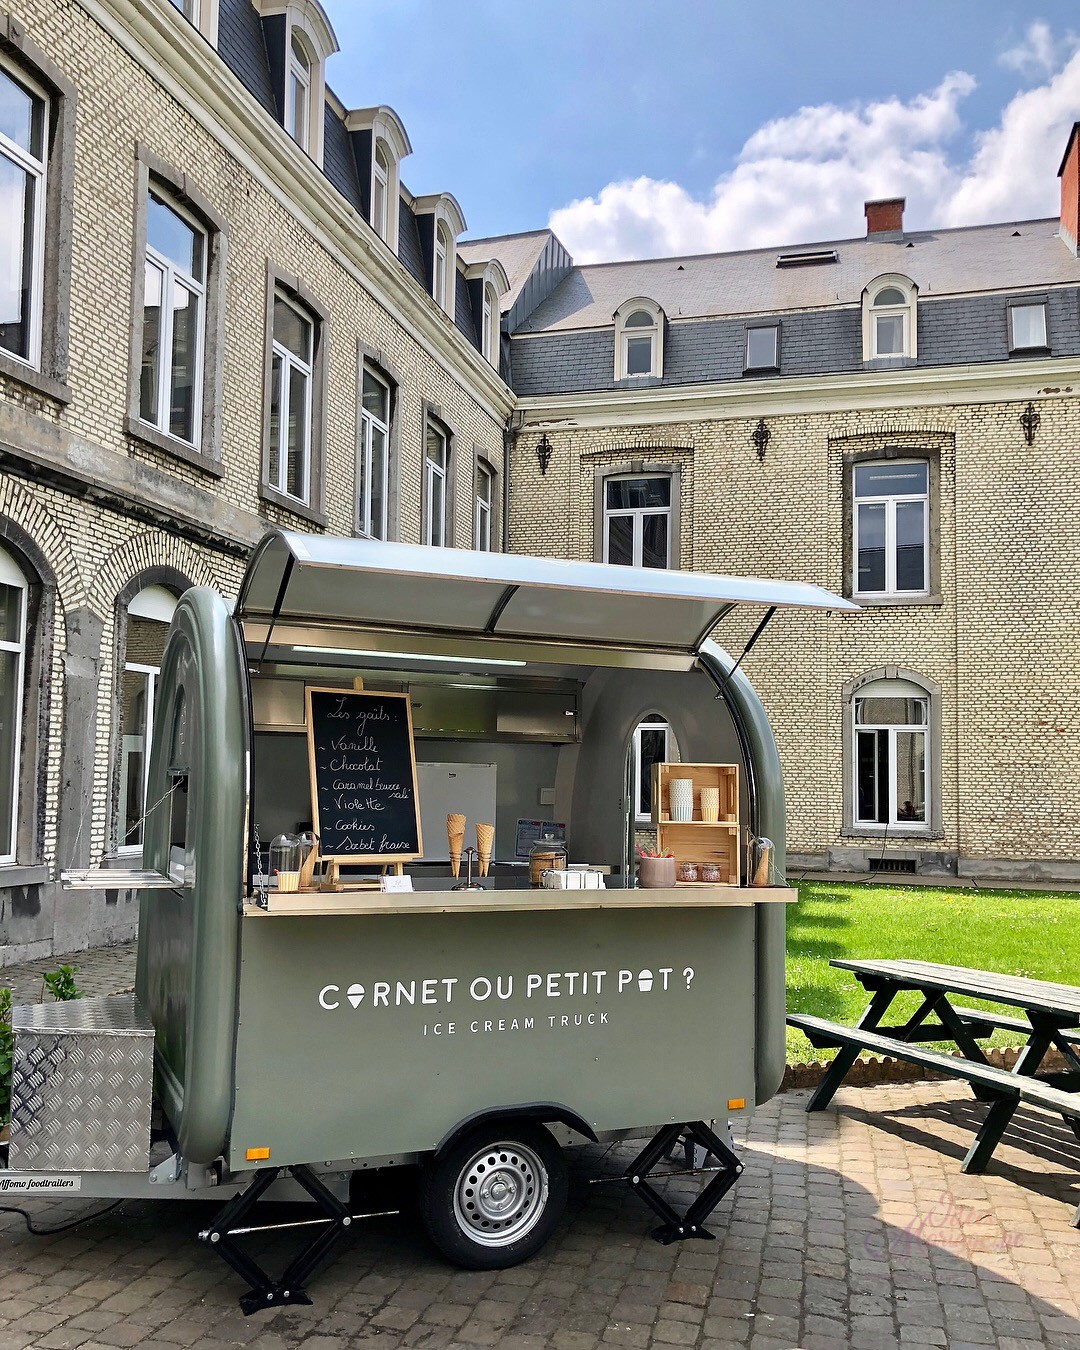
point(444, 788)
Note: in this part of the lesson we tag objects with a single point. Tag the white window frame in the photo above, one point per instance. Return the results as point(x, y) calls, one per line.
point(433, 472)
point(890, 501)
point(369, 424)
point(169, 274)
point(11, 575)
point(483, 514)
point(298, 76)
point(490, 328)
point(151, 673)
point(380, 186)
point(38, 170)
point(907, 311)
point(1029, 346)
point(653, 722)
point(654, 332)
point(894, 730)
point(638, 514)
point(774, 329)
point(289, 362)
point(440, 267)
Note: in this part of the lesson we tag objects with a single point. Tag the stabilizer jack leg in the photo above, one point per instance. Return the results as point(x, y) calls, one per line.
point(679, 1227)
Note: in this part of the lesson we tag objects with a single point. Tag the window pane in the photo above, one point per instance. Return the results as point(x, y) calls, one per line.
point(890, 296)
point(630, 493)
point(639, 356)
point(10, 697)
point(892, 480)
point(871, 547)
point(274, 448)
point(378, 206)
point(17, 199)
point(871, 776)
point(436, 508)
point(171, 236)
point(22, 115)
point(378, 483)
point(911, 776)
point(300, 54)
point(654, 544)
point(11, 600)
point(185, 339)
point(484, 480)
point(297, 467)
point(150, 371)
point(435, 446)
point(761, 346)
point(376, 397)
point(620, 533)
point(639, 319)
point(653, 743)
point(292, 330)
point(1028, 325)
point(890, 334)
point(910, 546)
point(895, 712)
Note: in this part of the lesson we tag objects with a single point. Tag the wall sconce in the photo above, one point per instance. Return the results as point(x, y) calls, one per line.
point(761, 436)
point(1029, 420)
point(543, 453)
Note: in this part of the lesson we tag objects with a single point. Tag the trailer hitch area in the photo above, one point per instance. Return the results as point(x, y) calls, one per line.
point(263, 1290)
point(693, 1134)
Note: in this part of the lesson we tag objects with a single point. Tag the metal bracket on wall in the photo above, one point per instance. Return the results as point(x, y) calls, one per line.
point(264, 1290)
point(678, 1227)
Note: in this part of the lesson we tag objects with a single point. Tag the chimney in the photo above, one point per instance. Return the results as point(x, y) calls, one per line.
point(1069, 173)
point(885, 219)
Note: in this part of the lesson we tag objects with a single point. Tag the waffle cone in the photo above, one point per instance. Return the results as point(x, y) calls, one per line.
point(455, 833)
point(485, 838)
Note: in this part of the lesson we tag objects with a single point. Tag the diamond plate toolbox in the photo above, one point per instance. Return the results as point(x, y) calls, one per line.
point(81, 1086)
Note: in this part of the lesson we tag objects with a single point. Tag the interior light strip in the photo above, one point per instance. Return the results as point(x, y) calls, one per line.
point(412, 656)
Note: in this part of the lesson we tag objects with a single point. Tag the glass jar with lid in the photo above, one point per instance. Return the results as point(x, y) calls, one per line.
point(548, 854)
point(284, 855)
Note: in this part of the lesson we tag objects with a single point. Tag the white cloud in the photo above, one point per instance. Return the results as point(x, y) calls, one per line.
point(806, 176)
point(1039, 53)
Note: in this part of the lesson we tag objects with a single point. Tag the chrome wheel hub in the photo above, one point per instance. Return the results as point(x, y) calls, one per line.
point(500, 1194)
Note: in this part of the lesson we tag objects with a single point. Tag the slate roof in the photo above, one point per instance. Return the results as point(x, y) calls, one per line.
point(1020, 255)
point(517, 253)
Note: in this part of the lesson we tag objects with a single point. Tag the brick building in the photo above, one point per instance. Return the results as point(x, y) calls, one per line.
point(222, 309)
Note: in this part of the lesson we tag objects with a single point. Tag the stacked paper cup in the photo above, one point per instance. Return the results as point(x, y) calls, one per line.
point(710, 803)
point(681, 796)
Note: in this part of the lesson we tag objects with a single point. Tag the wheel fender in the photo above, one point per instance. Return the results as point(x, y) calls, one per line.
point(540, 1112)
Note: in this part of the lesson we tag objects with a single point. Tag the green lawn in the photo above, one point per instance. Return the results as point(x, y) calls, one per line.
point(1018, 932)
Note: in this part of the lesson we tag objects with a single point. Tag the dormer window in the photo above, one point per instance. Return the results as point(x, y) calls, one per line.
point(440, 222)
point(298, 40)
point(298, 92)
point(889, 323)
point(487, 283)
point(379, 145)
point(639, 340)
point(489, 329)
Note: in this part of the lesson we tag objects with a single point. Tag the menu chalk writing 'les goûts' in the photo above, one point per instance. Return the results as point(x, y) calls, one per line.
point(363, 775)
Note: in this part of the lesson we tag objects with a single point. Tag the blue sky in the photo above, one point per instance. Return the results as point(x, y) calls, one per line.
point(638, 128)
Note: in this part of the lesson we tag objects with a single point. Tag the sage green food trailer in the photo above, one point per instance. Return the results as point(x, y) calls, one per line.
point(474, 1032)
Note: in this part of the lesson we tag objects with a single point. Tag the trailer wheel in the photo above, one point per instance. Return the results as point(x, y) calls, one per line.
point(494, 1197)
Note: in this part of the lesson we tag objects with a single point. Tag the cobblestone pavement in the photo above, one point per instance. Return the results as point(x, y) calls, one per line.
point(102, 970)
point(852, 1227)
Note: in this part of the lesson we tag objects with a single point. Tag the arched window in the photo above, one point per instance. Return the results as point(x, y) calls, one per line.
point(298, 39)
point(639, 340)
point(382, 146)
point(13, 605)
point(653, 743)
point(380, 190)
point(298, 92)
point(490, 325)
point(891, 754)
point(149, 613)
point(890, 331)
point(442, 255)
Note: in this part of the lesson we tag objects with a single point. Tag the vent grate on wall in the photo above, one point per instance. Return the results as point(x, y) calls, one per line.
point(893, 865)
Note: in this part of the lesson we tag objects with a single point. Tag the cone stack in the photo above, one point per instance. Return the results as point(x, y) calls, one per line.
point(455, 833)
point(485, 838)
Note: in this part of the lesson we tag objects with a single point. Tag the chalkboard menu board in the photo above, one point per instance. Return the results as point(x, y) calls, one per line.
point(363, 776)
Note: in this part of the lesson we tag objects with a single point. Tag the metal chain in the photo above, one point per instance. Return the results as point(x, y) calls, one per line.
point(141, 821)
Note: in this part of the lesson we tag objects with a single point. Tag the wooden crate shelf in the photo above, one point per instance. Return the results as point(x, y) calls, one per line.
point(700, 841)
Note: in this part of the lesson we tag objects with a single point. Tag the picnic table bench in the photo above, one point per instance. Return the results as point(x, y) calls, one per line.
point(1051, 1019)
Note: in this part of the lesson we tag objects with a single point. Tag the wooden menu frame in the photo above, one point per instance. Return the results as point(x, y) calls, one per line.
point(360, 858)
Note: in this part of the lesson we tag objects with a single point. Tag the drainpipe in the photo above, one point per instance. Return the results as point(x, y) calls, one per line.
point(511, 431)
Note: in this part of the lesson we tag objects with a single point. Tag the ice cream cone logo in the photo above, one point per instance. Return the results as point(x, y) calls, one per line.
point(645, 981)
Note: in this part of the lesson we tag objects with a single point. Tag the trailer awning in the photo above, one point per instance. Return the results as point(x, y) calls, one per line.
point(300, 580)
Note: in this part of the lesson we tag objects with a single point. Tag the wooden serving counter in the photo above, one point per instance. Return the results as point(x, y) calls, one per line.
point(518, 901)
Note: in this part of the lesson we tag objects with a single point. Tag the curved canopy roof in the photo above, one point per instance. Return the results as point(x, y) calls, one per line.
point(446, 592)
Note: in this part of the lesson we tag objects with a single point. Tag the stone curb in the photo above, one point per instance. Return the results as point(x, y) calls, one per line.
point(872, 1071)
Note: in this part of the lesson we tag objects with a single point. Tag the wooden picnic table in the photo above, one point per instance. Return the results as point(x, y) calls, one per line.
point(1050, 1020)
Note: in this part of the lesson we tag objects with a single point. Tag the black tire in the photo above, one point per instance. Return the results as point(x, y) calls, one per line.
point(494, 1196)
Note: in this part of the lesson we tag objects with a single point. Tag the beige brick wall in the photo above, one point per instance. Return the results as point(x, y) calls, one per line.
point(1003, 643)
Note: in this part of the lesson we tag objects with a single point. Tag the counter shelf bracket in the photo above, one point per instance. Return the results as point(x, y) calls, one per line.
point(265, 1291)
point(679, 1227)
